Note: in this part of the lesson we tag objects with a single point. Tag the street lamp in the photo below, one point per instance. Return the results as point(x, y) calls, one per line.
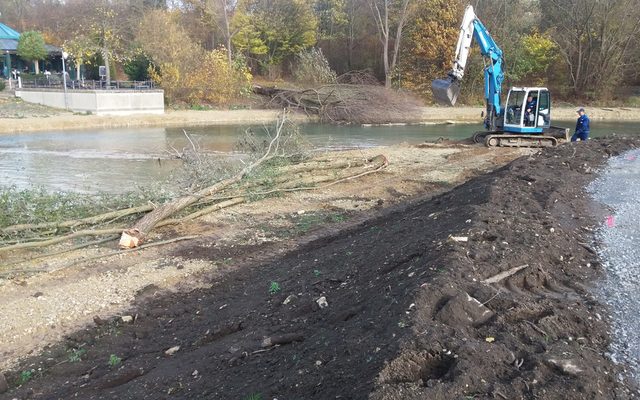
point(64, 78)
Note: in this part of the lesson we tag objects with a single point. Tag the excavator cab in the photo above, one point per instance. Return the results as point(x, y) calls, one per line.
point(528, 110)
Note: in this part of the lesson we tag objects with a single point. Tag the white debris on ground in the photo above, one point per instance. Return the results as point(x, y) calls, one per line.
point(618, 187)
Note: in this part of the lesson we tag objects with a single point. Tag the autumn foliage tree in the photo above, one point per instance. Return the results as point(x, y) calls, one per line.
point(184, 69)
point(578, 48)
point(430, 44)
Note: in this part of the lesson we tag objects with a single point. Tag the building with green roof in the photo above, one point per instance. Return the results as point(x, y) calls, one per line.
point(9, 45)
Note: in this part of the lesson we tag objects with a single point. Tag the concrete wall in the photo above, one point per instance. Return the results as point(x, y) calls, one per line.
point(100, 102)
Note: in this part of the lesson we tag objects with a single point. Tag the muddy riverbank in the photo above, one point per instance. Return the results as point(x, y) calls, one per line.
point(482, 290)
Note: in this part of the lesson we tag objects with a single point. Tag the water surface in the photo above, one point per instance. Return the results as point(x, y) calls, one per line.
point(120, 160)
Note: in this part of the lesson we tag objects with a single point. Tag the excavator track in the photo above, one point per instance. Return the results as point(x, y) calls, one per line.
point(503, 140)
point(550, 138)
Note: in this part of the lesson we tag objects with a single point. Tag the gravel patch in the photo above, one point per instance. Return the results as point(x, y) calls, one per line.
point(618, 188)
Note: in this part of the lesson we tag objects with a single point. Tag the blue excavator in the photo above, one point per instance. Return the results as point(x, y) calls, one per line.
point(524, 120)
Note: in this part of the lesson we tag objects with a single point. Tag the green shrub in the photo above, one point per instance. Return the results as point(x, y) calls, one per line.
point(137, 69)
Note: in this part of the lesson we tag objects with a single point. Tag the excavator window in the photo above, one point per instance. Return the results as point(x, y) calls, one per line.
point(514, 108)
point(544, 109)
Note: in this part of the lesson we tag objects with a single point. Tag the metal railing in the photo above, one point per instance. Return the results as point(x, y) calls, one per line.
point(56, 82)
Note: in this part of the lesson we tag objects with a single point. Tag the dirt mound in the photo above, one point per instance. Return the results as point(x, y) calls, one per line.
point(393, 309)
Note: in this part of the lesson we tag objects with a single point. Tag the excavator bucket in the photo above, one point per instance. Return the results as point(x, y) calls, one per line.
point(445, 91)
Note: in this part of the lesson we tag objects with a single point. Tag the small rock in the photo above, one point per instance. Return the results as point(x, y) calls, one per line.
point(567, 367)
point(3, 383)
point(322, 302)
point(38, 294)
point(301, 212)
point(172, 350)
point(127, 319)
point(289, 298)
point(99, 321)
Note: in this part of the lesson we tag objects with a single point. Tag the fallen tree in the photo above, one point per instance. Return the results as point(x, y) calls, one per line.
point(276, 167)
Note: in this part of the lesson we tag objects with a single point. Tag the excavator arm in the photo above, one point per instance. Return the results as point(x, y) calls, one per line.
point(445, 91)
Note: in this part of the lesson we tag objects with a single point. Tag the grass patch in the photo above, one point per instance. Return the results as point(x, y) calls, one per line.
point(32, 206)
point(25, 376)
point(274, 287)
point(308, 221)
point(114, 360)
point(75, 355)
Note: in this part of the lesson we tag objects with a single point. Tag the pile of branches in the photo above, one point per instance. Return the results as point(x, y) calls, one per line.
point(287, 172)
point(358, 77)
point(347, 104)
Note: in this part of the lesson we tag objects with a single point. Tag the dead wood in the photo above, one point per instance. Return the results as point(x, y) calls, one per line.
point(339, 103)
point(59, 239)
point(358, 77)
point(137, 234)
point(96, 219)
point(282, 339)
point(502, 275)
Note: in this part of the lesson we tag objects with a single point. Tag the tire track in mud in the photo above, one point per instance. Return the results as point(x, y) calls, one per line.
point(538, 333)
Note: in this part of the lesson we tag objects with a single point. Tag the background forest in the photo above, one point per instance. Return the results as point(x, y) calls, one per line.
point(211, 51)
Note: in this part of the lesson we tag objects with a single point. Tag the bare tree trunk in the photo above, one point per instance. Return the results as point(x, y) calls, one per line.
point(227, 31)
point(105, 57)
point(382, 23)
point(396, 44)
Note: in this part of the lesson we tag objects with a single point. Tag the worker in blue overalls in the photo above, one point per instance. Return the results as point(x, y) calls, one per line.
point(582, 126)
point(530, 110)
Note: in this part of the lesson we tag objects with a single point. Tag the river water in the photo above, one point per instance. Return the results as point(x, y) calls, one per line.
point(618, 187)
point(121, 160)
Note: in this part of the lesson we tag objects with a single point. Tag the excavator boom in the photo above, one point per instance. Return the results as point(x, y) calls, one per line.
point(446, 91)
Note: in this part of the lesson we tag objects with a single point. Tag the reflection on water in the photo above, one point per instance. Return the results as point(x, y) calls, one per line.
point(120, 160)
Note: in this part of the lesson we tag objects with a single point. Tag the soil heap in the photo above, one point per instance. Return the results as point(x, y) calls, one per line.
point(408, 305)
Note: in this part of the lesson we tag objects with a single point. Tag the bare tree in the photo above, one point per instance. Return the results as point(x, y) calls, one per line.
point(381, 12)
point(227, 9)
point(596, 39)
point(216, 15)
